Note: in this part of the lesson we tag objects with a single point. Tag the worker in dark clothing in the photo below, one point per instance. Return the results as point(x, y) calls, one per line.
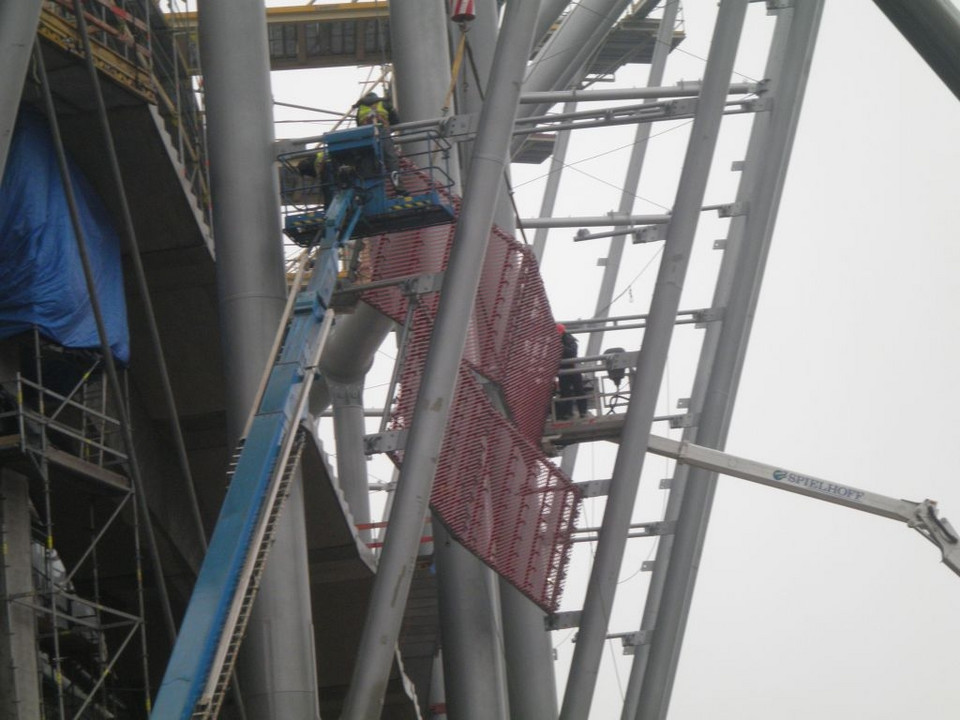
point(371, 109)
point(571, 384)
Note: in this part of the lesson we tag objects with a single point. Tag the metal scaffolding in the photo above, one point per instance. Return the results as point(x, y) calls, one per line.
point(60, 432)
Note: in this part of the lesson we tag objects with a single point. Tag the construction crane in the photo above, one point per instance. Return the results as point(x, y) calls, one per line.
point(201, 663)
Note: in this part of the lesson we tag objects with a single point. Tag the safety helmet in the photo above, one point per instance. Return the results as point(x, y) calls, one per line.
point(561, 328)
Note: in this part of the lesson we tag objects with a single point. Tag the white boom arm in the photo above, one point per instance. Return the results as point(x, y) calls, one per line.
point(921, 516)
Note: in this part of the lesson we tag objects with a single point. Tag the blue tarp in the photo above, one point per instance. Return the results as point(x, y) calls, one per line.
point(41, 277)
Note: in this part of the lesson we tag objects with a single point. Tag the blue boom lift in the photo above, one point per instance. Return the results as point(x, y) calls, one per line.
point(201, 663)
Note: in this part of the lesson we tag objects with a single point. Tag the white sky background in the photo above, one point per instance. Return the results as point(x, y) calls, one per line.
point(802, 610)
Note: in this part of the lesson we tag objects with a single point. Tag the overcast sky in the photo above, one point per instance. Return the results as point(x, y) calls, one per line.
point(802, 610)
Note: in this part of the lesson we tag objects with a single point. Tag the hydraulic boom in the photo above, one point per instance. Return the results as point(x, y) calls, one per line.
point(202, 660)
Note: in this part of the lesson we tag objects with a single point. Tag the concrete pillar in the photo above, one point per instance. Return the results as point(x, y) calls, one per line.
point(19, 691)
point(18, 29)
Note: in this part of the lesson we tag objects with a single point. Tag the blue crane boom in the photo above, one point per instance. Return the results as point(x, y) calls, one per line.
point(200, 665)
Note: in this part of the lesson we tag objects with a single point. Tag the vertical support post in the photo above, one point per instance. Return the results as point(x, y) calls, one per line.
point(765, 173)
point(531, 680)
point(421, 61)
point(18, 28)
point(246, 220)
point(474, 673)
point(469, 620)
point(611, 267)
point(471, 617)
point(658, 64)
point(424, 69)
point(349, 427)
point(557, 162)
point(392, 582)
point(651, 361)
point(19, 689)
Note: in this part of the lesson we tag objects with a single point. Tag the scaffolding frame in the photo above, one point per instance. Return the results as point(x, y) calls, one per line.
point(72, 439)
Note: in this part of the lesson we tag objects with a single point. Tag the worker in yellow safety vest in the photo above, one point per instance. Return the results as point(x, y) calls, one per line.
point(371, 109)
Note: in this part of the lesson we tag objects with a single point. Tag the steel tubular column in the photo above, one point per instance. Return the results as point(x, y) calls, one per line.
point(500, 648)
point(708, 349)
point(18, 28)
point(252, 293)
point(650, 363)
point(615, 252)
point(932, 27)
point(392, 582)
point(474, 674)
point(423, 70)
point(550, 11)
point(560, 59)
point(557, 163)
point(421, 61)
point(349, 427)
point(474, 666)
point(714, 421)
point(632, 180)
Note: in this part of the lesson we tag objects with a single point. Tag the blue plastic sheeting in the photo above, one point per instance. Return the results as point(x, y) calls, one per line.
point(41, 277)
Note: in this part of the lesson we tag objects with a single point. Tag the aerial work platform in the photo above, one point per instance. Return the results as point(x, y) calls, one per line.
point(351, 166)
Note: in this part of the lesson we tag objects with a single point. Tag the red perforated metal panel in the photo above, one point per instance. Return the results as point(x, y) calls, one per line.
point(494, 490)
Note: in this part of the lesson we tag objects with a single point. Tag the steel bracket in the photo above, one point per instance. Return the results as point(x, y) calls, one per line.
point(389, 441)
point(649, 233)
point(593, 488)
point(632, 641)
point(562, 620)
point(705, 316)
point(758, 104)
point(774, 5)
point(733, 209)
point(681, 421)
point(683, 106)
point(423, 284)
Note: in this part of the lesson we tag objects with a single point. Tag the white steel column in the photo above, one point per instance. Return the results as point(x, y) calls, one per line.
point(246, 220)
point(557, 162)
point(655, 666)
point(628, 196)
point(392, 582)
point(18, 31)
point(932, 27)
point(560, 59)
point(471, 618)
point(473, 665)
point(506, 627)
point(550, 11)
point(349, 428)
point(650, 363)
point(611, 266)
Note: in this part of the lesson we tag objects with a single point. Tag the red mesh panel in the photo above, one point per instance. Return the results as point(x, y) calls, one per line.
point(494, 490)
